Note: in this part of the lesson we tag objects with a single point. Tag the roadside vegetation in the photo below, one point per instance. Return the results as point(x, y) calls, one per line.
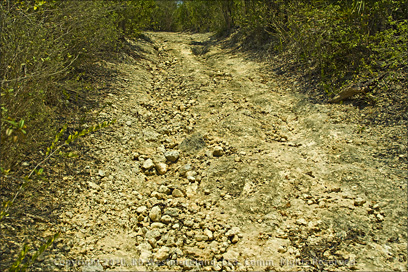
point(48, 50)
point(340, 41)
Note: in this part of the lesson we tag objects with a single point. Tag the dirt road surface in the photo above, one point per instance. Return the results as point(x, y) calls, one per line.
point(218, 163)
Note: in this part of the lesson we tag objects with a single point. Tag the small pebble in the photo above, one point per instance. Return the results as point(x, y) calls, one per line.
point(177, 193)
point(191, 175)
point(282, 249)
point(148, 164)
point(184, 169)
point(359, 202)
point(172, 155)
point(218, 151)
point(161, 168)
point(162, 254)
point(155, 213)
point(209, 234)
point(164, 189)
point(301, 222)
point(166, 219)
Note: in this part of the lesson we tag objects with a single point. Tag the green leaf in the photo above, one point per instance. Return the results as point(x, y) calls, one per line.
point(15, 267)
point(72, 155)
point(21, 124)
point(9, 131)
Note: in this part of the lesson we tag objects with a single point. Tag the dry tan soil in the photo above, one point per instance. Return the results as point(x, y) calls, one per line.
point(217, 163)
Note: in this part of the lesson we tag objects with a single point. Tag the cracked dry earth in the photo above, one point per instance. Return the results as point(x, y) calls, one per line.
point(217, 163)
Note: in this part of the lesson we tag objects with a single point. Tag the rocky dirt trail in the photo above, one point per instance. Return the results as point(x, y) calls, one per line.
point(217, 163)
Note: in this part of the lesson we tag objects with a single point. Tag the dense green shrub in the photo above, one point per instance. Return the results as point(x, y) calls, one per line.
point(345, 42)
point(341, 40)
point(163, 16)
point(46, 50)
point(198, 16)
point(46, 47)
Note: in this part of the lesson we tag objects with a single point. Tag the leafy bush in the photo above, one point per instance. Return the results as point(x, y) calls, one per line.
point(345, 42)
point(342, 40)
point(46, 49)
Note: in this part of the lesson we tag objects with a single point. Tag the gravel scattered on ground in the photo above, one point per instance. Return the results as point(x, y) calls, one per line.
point(217, 163)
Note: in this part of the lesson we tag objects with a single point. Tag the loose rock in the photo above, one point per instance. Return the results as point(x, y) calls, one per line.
point(155, 213)
point(162, 253)
point(301, 222)
point(145, 251)
point(164, 189)
point(148, 164)
point(184, 169)
point(233, 231)
point(161, 168)
point(141, 209)
point(172, 155)
point(177, 193)
point(359, 202)
point(209, 234)
point(166, 219)
point(218, 151)
point(190, 175)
